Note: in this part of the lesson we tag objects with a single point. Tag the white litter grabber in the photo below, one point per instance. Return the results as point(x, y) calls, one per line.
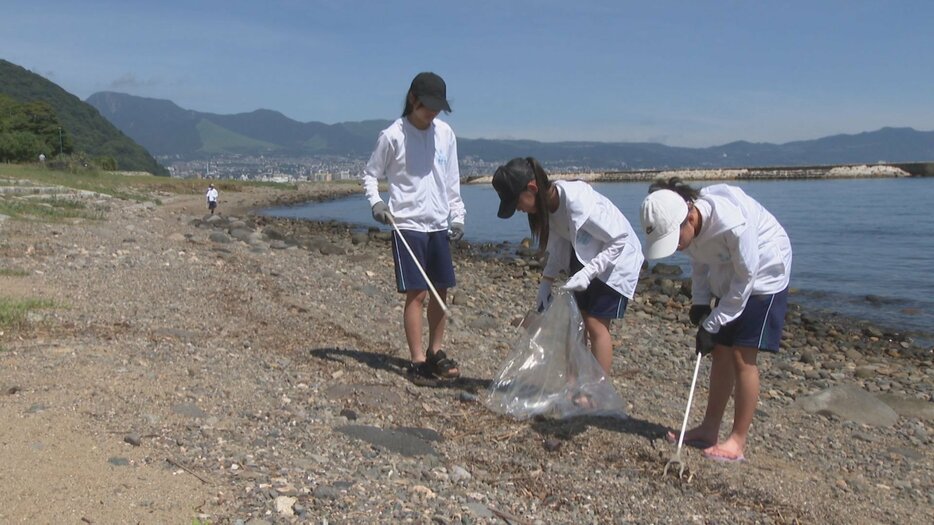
point(676, 459)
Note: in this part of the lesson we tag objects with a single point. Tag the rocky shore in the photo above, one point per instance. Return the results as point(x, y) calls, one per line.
point(243, 369)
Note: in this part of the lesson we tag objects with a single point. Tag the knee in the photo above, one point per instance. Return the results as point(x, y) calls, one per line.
point(418, 298)
point(744, 357)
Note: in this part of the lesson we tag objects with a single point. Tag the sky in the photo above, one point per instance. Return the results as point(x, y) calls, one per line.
point(682, 73)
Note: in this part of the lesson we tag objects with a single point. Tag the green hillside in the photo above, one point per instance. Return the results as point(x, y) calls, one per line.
point(82, 126)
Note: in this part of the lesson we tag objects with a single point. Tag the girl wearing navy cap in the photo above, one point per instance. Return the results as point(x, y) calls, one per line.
point(584, 234)
point(417, 154)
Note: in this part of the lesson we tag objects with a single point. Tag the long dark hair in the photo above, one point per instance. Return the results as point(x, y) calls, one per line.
point(676, 185)
point(538, 222)
point(409, 105)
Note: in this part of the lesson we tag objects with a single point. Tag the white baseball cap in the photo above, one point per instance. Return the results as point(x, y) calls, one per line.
point(663, 211)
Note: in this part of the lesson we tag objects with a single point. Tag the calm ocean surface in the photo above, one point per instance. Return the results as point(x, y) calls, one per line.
point(852, 239)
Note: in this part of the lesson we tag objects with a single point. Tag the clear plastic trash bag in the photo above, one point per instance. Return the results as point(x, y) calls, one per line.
point(550, 371)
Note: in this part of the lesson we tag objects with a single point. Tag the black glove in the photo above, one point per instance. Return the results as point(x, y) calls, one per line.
point(456, 232)
point(698, 313)
point(703, 343)
point(382, 214)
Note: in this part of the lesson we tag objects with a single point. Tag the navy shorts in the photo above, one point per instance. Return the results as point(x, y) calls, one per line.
point(212, 205)
point(759, 326)
point(599, 299)
point(433, 251)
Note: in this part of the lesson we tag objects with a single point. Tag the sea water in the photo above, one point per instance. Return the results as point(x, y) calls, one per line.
point(862, 247)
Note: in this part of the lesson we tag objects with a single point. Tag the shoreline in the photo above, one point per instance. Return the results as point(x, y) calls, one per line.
point(655, 280)
point(506, 252)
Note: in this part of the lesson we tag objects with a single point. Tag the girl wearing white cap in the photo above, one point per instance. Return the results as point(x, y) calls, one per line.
point(741, 259)
point(583, 233)
point(417, 154)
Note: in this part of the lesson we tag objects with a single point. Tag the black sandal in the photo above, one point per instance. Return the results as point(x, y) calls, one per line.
point(442, 366)
point(421, 374)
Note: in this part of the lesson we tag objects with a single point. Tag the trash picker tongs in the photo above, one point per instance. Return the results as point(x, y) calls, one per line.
point(676, 458)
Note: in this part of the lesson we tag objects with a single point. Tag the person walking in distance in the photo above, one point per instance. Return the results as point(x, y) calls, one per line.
point(417, 155)
point(741, 259)
point(212, 198)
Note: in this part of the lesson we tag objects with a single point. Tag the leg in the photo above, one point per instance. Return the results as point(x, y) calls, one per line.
point(745, 400)
point(436, 322)
point(601, 344)
point(721, 388)
point(412, 321)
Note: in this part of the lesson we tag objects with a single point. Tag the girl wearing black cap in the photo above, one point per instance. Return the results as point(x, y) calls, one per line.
point(584, 234)
point(417, 154)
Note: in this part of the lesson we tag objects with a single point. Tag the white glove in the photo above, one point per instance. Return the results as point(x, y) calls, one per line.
point(544, 296)
point(578, 282)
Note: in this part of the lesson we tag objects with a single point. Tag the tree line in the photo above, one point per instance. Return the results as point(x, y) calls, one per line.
point(30, 129)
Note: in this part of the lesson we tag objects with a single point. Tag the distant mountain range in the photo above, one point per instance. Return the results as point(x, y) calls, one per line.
point(166, 129)
point(87, 131)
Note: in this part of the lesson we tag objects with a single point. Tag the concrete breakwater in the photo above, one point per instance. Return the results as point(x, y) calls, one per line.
point(850, 171)
point(799, 172)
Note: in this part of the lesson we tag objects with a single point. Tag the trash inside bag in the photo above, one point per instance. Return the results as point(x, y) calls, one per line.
point(550, 371)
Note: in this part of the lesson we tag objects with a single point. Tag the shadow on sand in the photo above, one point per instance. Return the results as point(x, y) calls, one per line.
point(566, 429)
point(398, 365)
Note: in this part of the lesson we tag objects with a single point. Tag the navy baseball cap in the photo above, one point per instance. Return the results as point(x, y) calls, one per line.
point(509, 181)
point(431, 91)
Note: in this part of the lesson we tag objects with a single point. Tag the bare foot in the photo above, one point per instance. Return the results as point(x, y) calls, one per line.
point(583, 401)
point(729, 451)
point(696, 437)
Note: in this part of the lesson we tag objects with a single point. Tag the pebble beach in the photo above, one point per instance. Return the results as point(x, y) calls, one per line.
point(242, 369)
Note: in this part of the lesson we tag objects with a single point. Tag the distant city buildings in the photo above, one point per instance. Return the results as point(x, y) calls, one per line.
point(307, 169)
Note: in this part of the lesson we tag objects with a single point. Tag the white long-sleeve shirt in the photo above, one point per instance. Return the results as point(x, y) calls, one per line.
point(211, 195)
point(600, 235)
point(741, 250)
point(422, 171)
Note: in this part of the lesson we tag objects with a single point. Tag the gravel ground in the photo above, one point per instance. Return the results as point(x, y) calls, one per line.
point(242, 369)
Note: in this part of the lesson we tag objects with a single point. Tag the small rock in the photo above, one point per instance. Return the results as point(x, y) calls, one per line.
point(552, 444)
point(459, 474)
point(284, 505)
point(467, 397)
point(133, 439)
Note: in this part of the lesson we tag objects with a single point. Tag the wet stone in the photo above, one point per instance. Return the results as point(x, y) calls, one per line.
point(404, 443)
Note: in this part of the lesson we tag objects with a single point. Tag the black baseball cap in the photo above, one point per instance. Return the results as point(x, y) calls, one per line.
point(431, 91)
point(509, 181)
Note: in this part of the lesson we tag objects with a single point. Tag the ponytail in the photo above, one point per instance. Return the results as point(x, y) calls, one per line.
point(676, 185)
point(538, 222)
